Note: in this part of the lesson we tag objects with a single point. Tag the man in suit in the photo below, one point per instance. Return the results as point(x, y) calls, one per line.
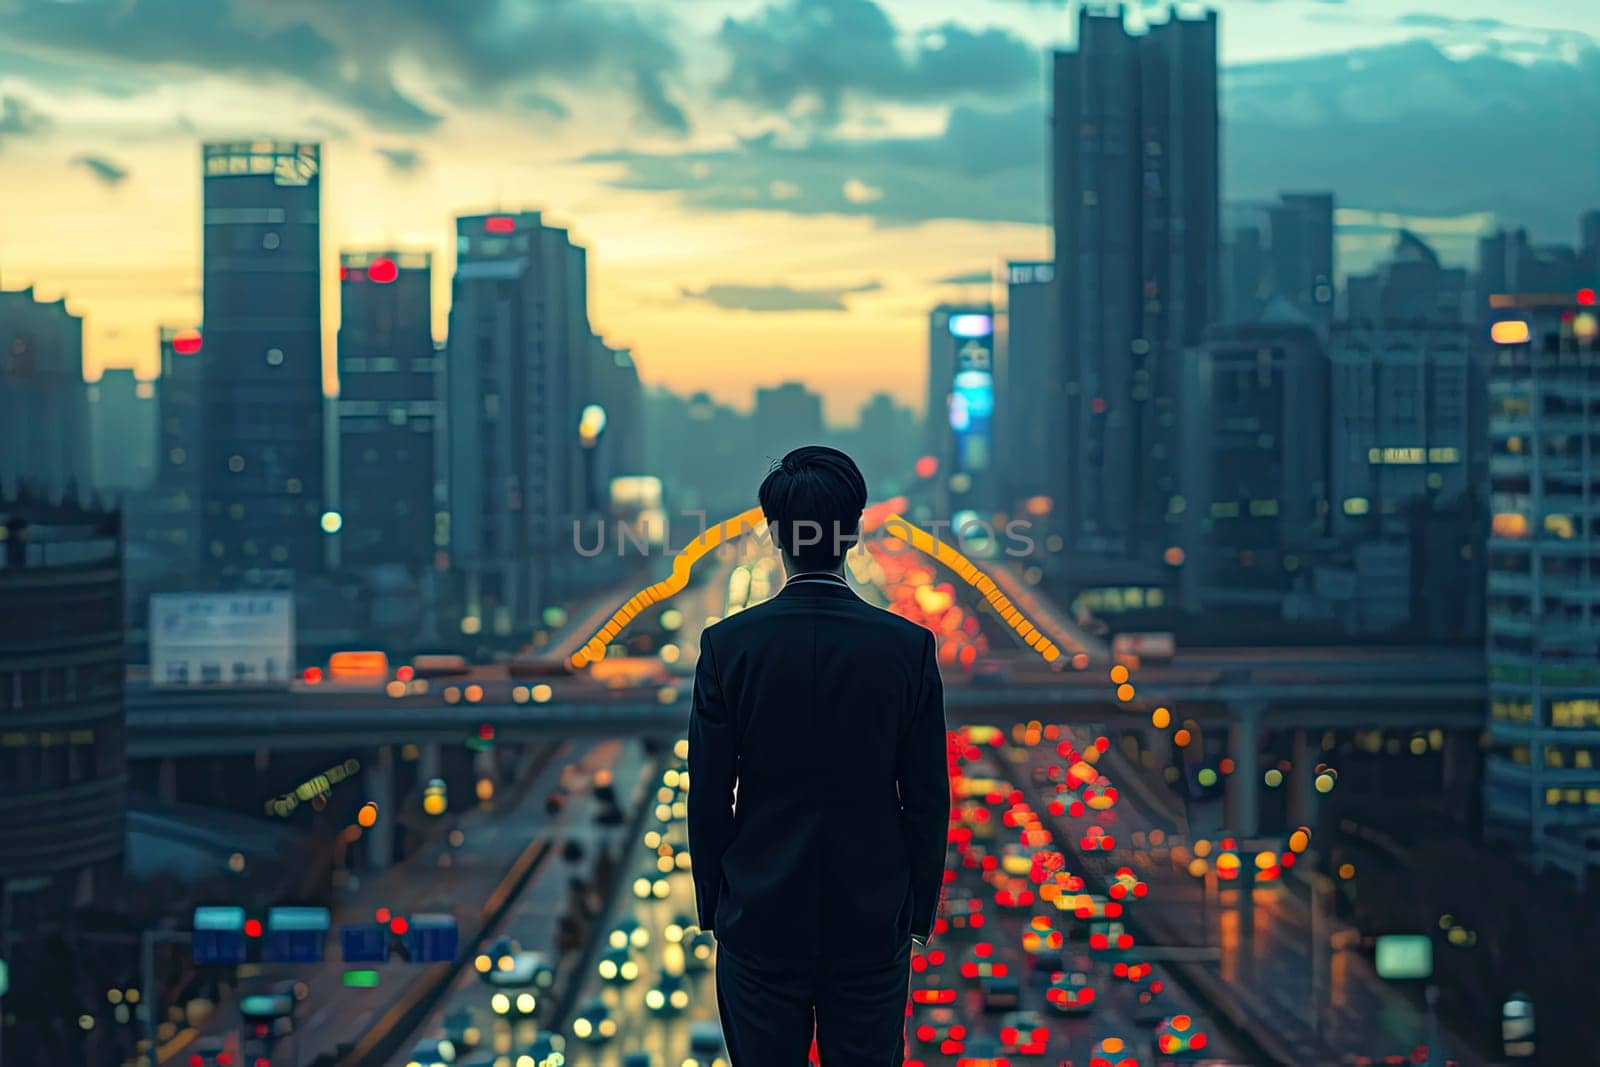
point(819, 793)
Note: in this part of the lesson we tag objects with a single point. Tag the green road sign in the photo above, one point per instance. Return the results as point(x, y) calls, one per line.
point(1402, 956)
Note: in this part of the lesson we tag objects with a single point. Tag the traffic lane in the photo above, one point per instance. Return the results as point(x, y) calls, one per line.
point(492, 836)
point(532, 919)
point(1273, 963)
point(1116, 1011)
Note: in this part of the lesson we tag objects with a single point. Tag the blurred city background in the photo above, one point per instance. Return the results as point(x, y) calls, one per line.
point(358, 361)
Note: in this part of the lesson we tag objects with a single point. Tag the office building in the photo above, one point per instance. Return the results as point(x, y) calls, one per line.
point(1509, 262)
point(611, 426)
point(44, 412)
point(514, 371)
point(1254, 498)
point(1135, 206)
point(961, 398)
point(885, 445)
point(1542, 771)
point(123, 429)
point(787, 416)
point(1302, 254)
point(388, 411)
point(1028, 396)
point(1402, 399)
point(1412, 286)
point(64, 807)
point(262, 467)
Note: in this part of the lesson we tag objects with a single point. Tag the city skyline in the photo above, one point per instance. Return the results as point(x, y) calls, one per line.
point(705, 255)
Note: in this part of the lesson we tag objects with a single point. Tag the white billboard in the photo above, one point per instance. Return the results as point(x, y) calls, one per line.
point(221, 639)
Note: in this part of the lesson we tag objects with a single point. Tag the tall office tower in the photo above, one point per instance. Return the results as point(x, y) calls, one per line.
point(1135, 181)
point(1542, 771)
point(787, 416)
point(960, 415)
point(262, 467)
point(515, 374)
point(1028, 398)
point(180, 407)
point(123, 428)
point(1254, 462)
point(161, 526)
point(1302, 254)
point(1246, 271)
point(388, 410)
point(44, 412)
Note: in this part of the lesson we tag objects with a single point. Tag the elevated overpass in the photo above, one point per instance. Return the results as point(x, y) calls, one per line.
point(1344, 689)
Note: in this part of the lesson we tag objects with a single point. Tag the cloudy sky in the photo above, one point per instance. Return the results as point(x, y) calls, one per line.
point(769, 188)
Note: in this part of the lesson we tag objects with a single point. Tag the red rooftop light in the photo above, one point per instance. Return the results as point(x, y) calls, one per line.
point(1586, 296)
point(186, 342)
point(382, 270)
point(499, 224)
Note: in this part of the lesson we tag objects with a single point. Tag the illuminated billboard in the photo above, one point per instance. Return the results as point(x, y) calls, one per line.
point(972, 398)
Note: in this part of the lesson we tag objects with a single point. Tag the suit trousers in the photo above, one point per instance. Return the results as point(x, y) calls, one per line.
point(771, 1010)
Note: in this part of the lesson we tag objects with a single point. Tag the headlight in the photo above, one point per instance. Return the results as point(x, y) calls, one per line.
point(526, 1003)
point(582, 1027)
point(500, 1003)
point(655, 1000)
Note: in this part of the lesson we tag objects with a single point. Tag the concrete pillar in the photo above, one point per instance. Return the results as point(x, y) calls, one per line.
point(1302, 787)
point(1244, 784)
point(379, 775)
point(429, 760)
point(167, 781)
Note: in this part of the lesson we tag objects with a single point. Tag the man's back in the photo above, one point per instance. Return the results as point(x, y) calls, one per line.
point(827, 716)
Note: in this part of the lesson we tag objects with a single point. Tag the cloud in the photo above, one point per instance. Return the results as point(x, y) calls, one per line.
point(985, 165)
point(776, 298)
point(813, 56)
point(103, 169)
point(18, 118)
point(970, 277)
point(475, 52)
point(401, 160)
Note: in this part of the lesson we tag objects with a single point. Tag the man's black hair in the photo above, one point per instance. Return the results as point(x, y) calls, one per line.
point(812, 500)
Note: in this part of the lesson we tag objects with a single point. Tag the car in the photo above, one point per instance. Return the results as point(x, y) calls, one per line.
point(941, 1031)
point(1070, 993)
point(1109, 940)
point(526, 970)
point(432, 1052)
point(668, 997)
point(461, 1027)
point(927, 960)
point(1001, 994)
point(593, 1023)
point(981, 963)
point(960, 914)
point(697, 951)
point(629, 933)
point(983, 1051)
point(1179, 1035)
point(1112, 1051)
point(680, 929)
point(1041, 937)
point(1024, 1033)
point(514, 1004)
point(1013, 894)
point(706, 1048)
point(618, 967)
point(497, 958)
point(545, 1050)
point(932, 990)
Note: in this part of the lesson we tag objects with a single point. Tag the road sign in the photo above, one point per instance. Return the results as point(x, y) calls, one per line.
point(218, 935)
point(364, 942)
point(433, 938)
point(1404, 956)
point(295, 935)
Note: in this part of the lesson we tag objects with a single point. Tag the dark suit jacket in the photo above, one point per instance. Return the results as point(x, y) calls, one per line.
point(826, 716)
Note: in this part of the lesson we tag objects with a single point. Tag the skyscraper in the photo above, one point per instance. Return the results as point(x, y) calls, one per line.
point(787, 416)
point(44, 413)
point(514, 371)
point(1302, 254)
point(1028, 397)
point(1135, 187)
point(123, 428)
point(961, 400)
point(261, 471)
point(1542, 769)
point(388, 410)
